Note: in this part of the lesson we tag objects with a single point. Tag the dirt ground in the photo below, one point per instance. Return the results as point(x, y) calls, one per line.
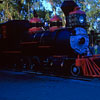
point(23, 86)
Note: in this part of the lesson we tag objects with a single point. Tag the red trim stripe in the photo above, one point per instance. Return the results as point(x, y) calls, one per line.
point(11, 52)
point(28, 43)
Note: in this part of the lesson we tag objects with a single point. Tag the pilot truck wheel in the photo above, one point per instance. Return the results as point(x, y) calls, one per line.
point(75, 70)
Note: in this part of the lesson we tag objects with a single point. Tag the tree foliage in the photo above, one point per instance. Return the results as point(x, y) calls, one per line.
point(92, 9)
point(23, 9)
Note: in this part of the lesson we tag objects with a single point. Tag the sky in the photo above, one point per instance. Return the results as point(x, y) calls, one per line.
point(47, 5)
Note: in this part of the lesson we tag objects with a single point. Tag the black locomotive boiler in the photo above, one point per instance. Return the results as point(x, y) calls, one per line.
point(46, 51)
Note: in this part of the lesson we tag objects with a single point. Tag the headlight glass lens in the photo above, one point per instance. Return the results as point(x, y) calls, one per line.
point(81, 19)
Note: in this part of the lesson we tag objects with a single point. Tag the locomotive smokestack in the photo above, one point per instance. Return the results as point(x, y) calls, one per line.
point(68, 6)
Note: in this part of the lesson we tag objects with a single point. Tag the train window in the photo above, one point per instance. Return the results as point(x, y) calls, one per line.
point(0, 33)
point(4, 31)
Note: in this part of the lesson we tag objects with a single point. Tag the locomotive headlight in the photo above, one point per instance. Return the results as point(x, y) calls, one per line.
point(81, 19)
point(76, 20)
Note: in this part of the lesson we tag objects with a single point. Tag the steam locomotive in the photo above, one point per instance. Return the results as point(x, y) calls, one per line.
point(45, 51)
